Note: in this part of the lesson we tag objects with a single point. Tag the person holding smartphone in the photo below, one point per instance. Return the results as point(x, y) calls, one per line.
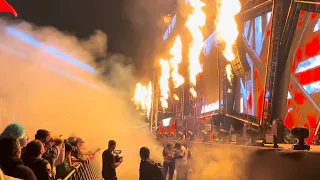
point(109, 163)
point(168, 161)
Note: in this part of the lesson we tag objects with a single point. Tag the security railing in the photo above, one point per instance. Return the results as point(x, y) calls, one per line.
point(87, 171)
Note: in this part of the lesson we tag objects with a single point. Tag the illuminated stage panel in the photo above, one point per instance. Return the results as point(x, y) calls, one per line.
point(256, 35)
point(170, 28)
point(304, 86)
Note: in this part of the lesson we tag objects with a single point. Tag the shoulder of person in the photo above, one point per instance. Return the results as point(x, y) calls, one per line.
point(29, 173)
point(43, 161)
point(25, 169)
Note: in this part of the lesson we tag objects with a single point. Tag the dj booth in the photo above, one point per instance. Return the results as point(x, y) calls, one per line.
point(257, 163)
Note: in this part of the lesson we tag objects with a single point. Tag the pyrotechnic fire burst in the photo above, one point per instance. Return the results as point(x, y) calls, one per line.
point(143, 98)
point(164, 82)
point(229, 73)
point(176, 52)
point(196, 20)
point(226, 25)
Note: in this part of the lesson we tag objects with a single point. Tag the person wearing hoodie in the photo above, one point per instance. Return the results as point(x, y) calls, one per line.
point(149, 170)
point(33, 159)
point(10, 162)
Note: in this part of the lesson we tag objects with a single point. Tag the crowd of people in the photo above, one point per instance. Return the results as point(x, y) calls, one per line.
point(175, 160)
point(47, 157)
point(50, 157)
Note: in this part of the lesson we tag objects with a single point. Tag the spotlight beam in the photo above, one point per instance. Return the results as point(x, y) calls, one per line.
point(22, 56)
point(32, 41)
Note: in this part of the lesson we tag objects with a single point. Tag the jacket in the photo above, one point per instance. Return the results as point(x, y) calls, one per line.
point(149, 171)
point(12, 166)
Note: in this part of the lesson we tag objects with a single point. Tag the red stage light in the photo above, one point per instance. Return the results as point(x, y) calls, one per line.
point(5, 7)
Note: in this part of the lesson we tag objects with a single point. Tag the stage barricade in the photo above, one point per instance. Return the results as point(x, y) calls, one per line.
point(87, 171)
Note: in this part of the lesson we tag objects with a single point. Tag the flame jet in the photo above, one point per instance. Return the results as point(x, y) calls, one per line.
point(227, 29)
point(196, 20)
point(143, 97)
point(164, 82)
point(176, 52)
point(226, 26)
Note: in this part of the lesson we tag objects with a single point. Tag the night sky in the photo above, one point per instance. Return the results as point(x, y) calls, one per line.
point(133, 26)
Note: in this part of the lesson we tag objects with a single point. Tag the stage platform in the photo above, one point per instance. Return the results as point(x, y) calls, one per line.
point(254, 163)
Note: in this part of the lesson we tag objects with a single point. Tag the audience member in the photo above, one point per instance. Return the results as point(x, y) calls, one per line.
point(23, 142)
point(168, 163)
point(148, 169)
point(33, 159)
point(67, 166)
point(40, 156)
point(5, 177)
point(181, 159)
point(10, 162)
point(13, 130)
point(51, 144)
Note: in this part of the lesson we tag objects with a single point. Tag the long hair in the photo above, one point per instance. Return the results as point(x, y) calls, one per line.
point(14, 130)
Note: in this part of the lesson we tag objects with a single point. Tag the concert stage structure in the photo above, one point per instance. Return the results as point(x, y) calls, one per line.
point(276, 77)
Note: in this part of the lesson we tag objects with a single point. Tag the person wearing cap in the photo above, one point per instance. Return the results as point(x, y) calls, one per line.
point(79, 151)
point(67, 166)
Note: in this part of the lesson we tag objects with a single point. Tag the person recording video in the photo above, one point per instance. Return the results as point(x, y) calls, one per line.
point(109, 162)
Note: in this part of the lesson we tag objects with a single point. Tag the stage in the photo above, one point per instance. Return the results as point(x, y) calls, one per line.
point(238, 162)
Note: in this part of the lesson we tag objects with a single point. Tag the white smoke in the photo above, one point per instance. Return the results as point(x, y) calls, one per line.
point(41, 90)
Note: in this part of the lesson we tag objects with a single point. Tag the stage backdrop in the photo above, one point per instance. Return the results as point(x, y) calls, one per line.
point(304, 86)
point(256, 35)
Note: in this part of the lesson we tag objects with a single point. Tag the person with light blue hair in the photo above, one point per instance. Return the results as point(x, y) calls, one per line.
point(14, 130)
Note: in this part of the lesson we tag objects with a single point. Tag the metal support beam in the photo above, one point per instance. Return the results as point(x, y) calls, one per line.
point(279, 9)
point(155, 101)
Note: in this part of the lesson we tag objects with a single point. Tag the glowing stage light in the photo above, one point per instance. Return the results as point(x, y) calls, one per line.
point(166, 122)
point(30, 40)
point(22, 56)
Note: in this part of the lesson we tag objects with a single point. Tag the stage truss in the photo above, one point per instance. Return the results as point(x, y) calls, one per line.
point(279, 85)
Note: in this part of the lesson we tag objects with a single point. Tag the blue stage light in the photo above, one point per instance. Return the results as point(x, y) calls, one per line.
point(22, 56)
point(51, 50)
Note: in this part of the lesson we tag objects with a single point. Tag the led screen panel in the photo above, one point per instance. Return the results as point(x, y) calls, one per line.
point(209, 80)
point(304, 86)
point(256, 36)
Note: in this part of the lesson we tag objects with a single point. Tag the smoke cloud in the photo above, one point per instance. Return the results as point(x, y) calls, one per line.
point(44, 86)
point(219, 162)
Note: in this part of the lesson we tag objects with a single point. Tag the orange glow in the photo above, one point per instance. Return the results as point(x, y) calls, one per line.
point(176, 52)
point(226, 26)
point(229, 73)
point(164, 82)
point(167, 19)
point(193, 92)
point(196, 20)
point(143, 98)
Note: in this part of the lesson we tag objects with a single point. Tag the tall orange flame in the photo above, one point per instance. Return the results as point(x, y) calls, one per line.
point(196, 20)
point(226, 25)
point(143, 98)
point(176, 52)
point(229, 73)
point(164, 82)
